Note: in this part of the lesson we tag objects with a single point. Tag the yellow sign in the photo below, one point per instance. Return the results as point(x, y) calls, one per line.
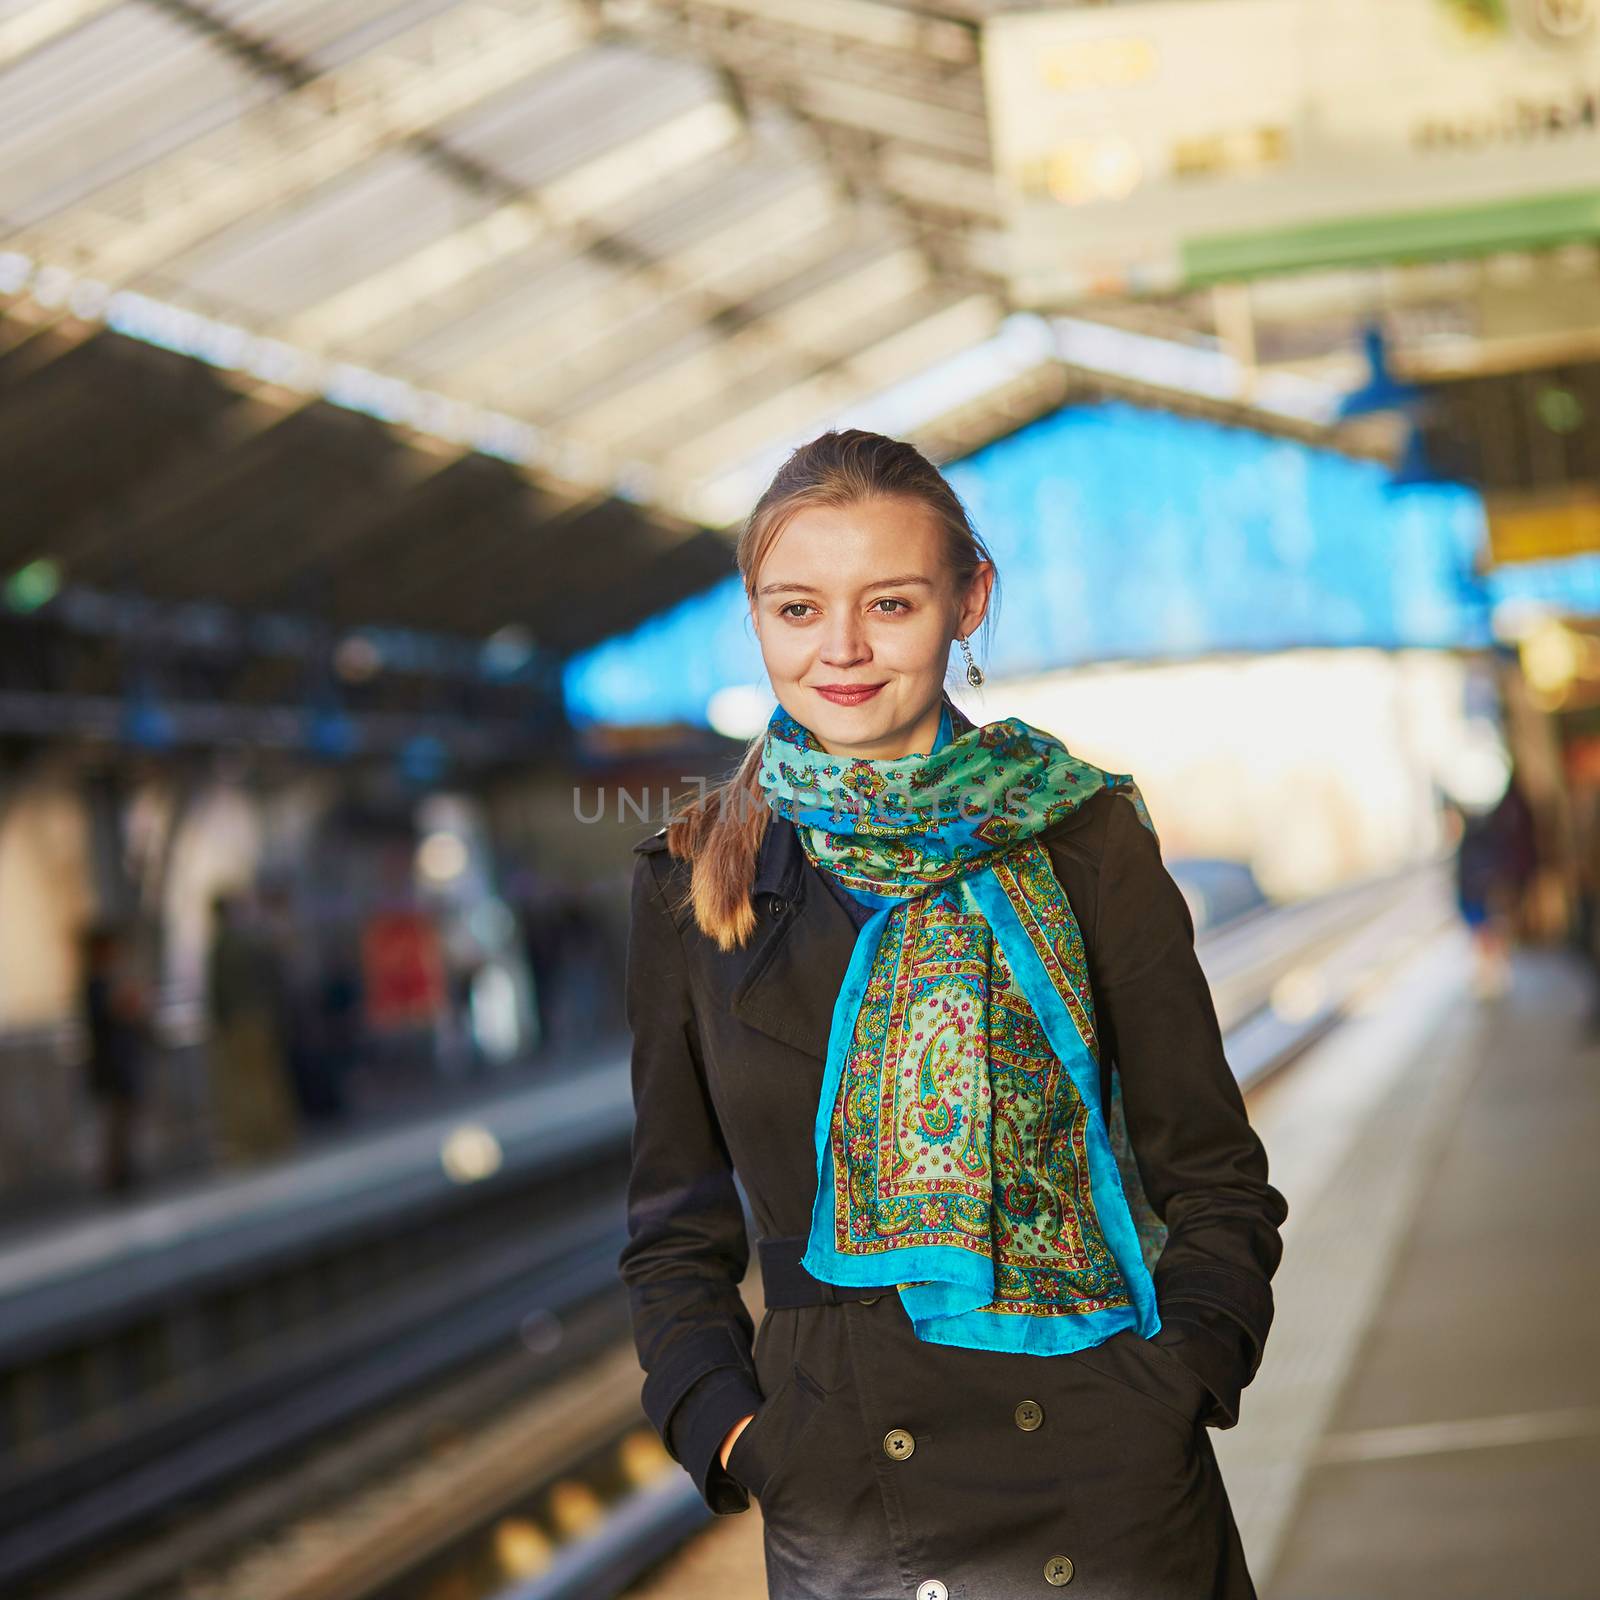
point(1544, 529)
point(1550, 22)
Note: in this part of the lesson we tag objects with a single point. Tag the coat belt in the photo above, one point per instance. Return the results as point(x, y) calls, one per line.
point(786, 1284)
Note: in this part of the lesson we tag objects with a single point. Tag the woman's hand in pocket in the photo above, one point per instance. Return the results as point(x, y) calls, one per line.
point(733, 1433)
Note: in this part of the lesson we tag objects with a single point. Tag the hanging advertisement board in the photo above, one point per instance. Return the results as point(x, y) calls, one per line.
point(1154, 146)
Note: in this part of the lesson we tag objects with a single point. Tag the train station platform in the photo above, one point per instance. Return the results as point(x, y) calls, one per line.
point(1429, 1419)
point(1426, 1420)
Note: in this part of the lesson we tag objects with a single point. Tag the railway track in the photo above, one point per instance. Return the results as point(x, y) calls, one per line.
point(145, 1390)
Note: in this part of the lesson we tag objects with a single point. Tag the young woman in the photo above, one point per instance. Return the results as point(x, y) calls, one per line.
point(927, 987)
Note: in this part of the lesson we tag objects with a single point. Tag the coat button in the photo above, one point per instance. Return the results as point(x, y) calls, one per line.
point(1029, 1415)
point(898, 1444)
point(1058, 1571)
point(932, 1589)
point(779, 907)
point(871, 1299)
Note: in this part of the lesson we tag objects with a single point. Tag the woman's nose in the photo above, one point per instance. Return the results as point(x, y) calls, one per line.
point(844, 642)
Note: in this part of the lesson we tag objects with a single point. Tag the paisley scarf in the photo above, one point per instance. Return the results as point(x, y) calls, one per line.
point(962, 1150)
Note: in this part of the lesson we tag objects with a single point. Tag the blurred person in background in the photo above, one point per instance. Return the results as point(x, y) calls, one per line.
point(458, 1055)
point(1496, 860)
point(578, 993)
point(1585, 932)
point(292, 962)
point(540, 919)
point(251, 1090)
point(339, 1020)
point(117, 1018)
point(904, 1006)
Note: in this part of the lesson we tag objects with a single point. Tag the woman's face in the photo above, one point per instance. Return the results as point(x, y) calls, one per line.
point(857, 597)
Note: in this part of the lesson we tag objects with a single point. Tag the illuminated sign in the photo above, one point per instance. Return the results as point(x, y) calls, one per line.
point(1154, 146)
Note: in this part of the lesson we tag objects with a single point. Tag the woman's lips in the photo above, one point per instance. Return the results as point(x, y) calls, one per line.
point(850, 697)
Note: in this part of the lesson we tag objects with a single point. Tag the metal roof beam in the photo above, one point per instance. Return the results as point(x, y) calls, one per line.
point(901, 30)
point(28, 30)
point(791, 332)
point(395, 93)
point(423, 416)
point(32, 338)
point(808, 58)
point(594, 348)
point(938, 184)
point(559, 208)
point(829, 388)
point(419, 572)
point(352, 518)
point(199, 465)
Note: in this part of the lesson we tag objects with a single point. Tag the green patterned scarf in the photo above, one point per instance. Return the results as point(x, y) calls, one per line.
point(962, 1150)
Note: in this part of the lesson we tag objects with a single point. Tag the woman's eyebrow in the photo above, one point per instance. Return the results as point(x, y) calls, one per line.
point(877, 583)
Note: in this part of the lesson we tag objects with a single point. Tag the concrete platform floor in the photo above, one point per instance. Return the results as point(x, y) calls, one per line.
point(1461, 1455)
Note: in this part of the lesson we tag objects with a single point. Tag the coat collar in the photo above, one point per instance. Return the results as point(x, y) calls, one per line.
point(795, 963)
point(779, 861)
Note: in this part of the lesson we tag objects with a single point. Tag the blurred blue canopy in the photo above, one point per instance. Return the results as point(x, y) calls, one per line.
point(1123, 533)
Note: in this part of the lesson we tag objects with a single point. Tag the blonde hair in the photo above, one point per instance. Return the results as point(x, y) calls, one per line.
point(720, 832)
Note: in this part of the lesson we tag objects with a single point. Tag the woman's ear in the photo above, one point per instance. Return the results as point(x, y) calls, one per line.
point(976, 602)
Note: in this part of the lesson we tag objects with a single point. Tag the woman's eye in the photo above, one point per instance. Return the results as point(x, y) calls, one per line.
point(797, 608)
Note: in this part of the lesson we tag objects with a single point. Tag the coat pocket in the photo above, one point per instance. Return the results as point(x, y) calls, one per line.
point(1153, 1372)
point(1180, 1369)
point(764, 1452)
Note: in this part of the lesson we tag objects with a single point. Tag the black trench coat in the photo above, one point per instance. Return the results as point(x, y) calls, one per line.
point(1092, 1469)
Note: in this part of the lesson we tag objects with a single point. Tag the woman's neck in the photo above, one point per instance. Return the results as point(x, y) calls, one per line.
point(923, 739)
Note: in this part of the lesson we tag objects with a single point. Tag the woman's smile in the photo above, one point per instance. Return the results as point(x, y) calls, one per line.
point(848, 694)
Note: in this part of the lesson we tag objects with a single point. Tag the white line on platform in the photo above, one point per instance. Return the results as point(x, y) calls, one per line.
point(1352, 1132)
point(1469, 1433)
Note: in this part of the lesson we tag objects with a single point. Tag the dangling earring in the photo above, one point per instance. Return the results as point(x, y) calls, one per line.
point(974, 671)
